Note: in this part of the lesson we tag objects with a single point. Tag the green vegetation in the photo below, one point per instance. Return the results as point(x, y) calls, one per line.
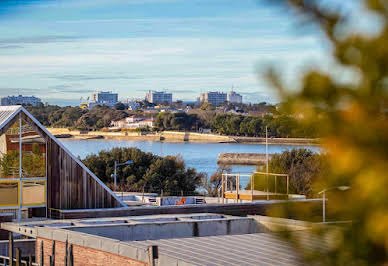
point(211, 185)
point(177, 121)
point(303, 166)
point(282, 126)
point(354, 131)
point(149, 172)
point(75, 117)
point(33, 163)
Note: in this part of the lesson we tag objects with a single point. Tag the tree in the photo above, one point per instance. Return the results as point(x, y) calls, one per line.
point(120, 106)
point(303, 167)
point(149, 172)
point(213, 184)
point(354, 127)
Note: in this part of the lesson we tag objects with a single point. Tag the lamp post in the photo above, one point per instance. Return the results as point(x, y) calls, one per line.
point(115, 173)
point(323, 192)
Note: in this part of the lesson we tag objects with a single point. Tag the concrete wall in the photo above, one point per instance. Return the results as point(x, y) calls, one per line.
point(242, 158)
point(236, 209)
point(180, 229)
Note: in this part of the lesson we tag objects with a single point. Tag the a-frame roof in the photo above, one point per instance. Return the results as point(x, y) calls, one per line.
point(8, 113)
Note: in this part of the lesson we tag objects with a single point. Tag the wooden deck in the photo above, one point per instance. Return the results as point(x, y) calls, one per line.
point(254, 195)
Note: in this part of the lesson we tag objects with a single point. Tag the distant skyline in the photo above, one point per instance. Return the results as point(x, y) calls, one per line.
point(62, 50)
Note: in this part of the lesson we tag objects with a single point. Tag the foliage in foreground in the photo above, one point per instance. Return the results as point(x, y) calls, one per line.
point(149, 172)
point(355, 130)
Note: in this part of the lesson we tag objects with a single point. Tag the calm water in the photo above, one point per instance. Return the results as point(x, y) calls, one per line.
point(201, 156)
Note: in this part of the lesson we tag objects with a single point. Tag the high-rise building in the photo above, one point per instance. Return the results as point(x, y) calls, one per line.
point(234, 97)
point(215, 98)
point(19, 100)
point(157, 97)
point(105, 98)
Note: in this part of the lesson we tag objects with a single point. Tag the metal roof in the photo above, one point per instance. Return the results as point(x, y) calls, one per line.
point(247, 249)
point(7, 113)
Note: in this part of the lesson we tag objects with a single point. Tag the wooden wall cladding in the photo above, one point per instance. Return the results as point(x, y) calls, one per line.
point(69, 185)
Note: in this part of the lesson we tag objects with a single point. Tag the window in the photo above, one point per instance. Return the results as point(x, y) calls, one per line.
point(33, 193)
point(9, 192)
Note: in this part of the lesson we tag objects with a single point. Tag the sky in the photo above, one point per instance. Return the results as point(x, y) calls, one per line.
point(64, 50)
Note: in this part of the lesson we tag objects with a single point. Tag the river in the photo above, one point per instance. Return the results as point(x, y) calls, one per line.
point(201, 156)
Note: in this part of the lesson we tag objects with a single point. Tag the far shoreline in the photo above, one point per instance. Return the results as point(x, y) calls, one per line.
point(180, 137)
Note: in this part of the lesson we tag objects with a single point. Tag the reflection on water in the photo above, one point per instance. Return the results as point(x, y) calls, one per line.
point(201, 156)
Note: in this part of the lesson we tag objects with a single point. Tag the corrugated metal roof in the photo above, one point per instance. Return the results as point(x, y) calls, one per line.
point(7, 113)
point(247, 249)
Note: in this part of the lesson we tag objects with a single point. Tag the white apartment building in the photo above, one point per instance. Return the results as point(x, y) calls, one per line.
point(234, 97)
point(19, 100)
point(215, 98)
point(157, 97)
point(105, 98)
point(133, 122)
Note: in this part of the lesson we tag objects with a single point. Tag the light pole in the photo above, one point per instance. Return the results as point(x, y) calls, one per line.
point(115, 172)
point(323, 192)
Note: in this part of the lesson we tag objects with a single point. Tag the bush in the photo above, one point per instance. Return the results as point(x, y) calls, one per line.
point(149, 172)
point(303, 166)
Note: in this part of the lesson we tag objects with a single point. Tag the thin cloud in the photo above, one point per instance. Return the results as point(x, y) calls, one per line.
point(37, 39)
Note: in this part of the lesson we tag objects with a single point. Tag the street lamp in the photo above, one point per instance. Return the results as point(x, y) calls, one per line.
point(115, 173)
point(323, 192)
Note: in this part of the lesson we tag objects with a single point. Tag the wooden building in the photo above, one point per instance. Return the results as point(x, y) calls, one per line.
point(38, 173)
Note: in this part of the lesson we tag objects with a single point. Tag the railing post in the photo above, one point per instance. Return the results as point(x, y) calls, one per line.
point(223, 188)
point(237, 186)
point(10, 249)
point(18, 257)
point(252, 184)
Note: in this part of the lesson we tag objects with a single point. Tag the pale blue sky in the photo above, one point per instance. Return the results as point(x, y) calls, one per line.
point(62, 50)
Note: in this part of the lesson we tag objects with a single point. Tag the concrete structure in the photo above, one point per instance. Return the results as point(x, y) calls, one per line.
point(234, 97)
point(190, 239)
point(20, 100)
point(105, 98)
point(134, 122)
point(215, 98)
point(157, 97)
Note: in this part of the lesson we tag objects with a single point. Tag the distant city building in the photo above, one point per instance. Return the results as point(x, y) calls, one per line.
point(158, 97)
point(19, 100)
point(133, 106)
point(89, 105)
point(234, 97)
point(105, 98)
point(133, 122)
point(215, 98)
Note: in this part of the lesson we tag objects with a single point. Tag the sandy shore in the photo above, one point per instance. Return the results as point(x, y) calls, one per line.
point(173, 136)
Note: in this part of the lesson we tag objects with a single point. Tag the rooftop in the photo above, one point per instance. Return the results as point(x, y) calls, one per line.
point(182, 239)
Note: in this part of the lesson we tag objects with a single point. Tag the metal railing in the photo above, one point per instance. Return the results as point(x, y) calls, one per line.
point(237, 176)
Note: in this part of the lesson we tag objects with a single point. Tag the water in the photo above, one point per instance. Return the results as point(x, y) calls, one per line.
point(201, 156)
